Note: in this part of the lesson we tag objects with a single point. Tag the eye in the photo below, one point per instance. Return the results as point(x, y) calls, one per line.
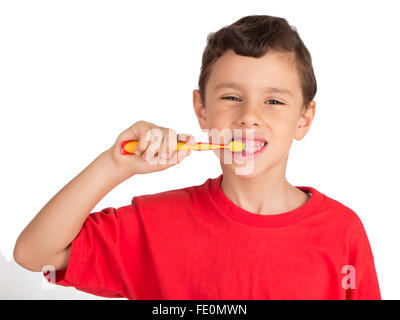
point(275, 101)
point(227, 98)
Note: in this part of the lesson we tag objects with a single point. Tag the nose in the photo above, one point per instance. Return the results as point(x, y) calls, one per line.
point(249, 118)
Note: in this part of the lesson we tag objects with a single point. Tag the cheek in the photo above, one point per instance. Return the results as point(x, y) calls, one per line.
point(282, 131)
point(220, 118)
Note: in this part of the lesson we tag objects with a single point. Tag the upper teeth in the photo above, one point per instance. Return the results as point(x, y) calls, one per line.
point(253, 145)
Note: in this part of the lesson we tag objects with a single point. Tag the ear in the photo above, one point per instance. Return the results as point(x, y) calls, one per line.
point(200, 110)
point(305, 120)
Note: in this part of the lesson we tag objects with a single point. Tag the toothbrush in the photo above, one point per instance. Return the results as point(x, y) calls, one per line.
point(128, 146)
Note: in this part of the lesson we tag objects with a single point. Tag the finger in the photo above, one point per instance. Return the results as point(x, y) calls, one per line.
point(143, 131)
point(157, 138)
point(183, 137)
point(169, 145)
point(188, 138)
point(181, 154)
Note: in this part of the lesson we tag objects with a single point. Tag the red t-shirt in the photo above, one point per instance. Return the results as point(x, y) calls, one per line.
point(195, 243)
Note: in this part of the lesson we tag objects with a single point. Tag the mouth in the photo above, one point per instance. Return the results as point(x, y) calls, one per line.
point(254, 147)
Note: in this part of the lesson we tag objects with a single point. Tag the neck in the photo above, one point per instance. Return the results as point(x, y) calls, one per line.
point(266, 193)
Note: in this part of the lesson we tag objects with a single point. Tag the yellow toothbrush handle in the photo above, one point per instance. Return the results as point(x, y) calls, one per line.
point(128, 146)
point(200, 146)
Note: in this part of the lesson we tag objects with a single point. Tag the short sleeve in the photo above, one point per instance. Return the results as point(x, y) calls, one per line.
point(365, 286)
point(102, 257)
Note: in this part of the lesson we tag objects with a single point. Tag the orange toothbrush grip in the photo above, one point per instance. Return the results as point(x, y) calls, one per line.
point(128, 146)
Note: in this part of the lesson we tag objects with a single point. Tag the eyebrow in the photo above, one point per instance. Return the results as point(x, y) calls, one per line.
point(235, 85)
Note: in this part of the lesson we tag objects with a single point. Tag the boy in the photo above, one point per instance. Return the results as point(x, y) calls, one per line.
point(237, 236)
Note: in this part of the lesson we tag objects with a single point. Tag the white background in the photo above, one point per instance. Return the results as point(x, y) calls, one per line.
point(74, 74)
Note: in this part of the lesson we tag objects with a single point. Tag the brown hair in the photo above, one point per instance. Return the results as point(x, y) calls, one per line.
point(254, 36)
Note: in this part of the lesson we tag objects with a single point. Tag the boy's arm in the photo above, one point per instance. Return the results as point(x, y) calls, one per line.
point(364, 284)
point(47, 238)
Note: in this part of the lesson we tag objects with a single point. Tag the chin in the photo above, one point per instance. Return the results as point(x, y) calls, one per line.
point(247, 170)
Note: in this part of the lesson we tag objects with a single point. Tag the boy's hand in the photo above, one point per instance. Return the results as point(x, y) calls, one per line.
point(155, 151)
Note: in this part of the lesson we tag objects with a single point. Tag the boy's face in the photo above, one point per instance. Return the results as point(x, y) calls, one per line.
point(276, 116)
